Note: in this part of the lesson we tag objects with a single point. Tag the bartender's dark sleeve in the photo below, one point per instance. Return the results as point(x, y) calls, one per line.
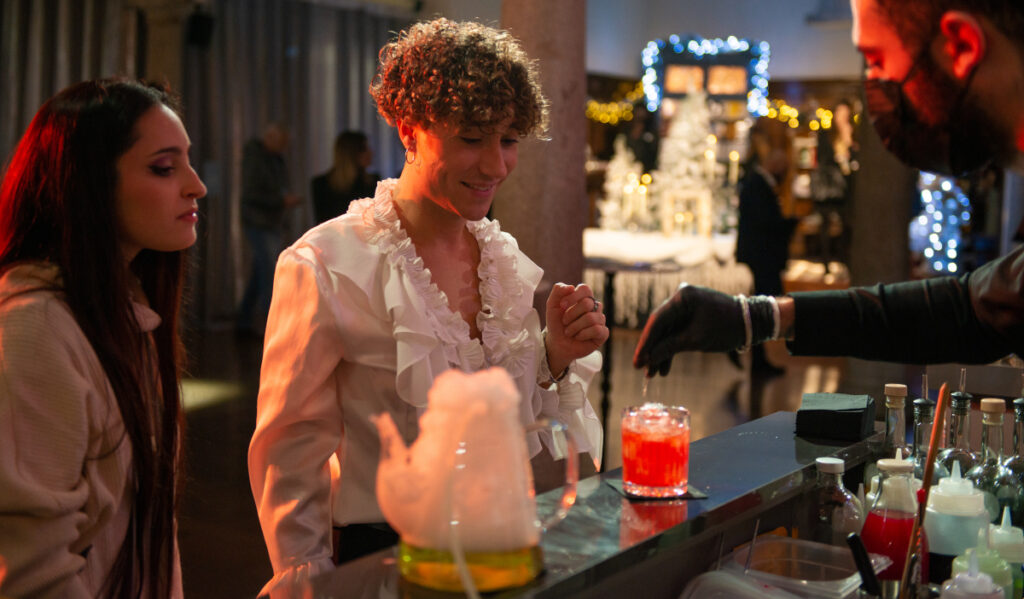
point(973, 319)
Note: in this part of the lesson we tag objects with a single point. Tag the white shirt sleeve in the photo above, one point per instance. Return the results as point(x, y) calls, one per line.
point(299, 421)
point(575, 409)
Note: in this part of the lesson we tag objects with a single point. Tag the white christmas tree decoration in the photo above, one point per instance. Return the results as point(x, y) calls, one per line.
point(622, 199)
point(687, 169)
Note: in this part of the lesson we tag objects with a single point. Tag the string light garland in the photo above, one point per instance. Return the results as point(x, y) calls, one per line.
point(822, 119)
point(935, 232)
point(611, 113)
point(696, 48)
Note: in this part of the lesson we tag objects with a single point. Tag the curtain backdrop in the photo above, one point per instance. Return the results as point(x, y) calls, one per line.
point(46, 45)
point(303, 64)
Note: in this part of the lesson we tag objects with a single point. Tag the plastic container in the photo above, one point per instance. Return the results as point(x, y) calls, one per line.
point(872, 489)
point(804, 568)
point(989, 562)
point(839, 512)
point(887, 529)
point(725, 584)
point(972, 584)
point(956, 512)
point(1008, 541)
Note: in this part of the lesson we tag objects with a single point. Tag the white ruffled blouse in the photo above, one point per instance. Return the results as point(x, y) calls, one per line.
point(357, 328)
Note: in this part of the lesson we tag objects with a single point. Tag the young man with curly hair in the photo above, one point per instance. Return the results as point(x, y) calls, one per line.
point(369, 308)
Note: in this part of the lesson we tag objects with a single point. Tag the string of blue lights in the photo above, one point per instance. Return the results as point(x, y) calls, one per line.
point(697, 47)
point(935, 232)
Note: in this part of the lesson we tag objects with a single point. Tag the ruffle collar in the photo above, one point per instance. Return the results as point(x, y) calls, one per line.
point(506, 297)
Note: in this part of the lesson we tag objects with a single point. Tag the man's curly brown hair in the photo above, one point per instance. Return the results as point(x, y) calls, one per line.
point(465, 74)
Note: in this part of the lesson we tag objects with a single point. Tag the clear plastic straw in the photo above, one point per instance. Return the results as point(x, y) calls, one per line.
point(750, 551)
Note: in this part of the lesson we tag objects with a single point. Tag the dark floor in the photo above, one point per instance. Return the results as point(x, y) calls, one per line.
point(222, 548)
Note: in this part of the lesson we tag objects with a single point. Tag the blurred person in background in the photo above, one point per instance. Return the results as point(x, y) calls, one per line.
point(265, 201)
point(763, 233)
point(347, 179)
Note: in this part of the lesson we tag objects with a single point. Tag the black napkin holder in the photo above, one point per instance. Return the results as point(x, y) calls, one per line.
point(837, 416)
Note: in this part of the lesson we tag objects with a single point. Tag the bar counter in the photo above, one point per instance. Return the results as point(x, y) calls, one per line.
point(608, 546)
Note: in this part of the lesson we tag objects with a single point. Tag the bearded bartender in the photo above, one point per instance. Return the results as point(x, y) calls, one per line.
point(943, 85)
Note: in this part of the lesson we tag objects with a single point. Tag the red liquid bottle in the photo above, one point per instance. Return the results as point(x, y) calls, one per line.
point(891, 519)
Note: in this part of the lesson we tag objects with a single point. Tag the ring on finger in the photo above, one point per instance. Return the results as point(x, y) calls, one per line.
point(597, 305)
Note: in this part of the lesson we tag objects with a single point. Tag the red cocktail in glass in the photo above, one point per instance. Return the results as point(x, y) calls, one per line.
point(655, 450)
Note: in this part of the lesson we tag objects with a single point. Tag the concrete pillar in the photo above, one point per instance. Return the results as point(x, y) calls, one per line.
point(165, 38)
point(884, 190)
point(544, 203)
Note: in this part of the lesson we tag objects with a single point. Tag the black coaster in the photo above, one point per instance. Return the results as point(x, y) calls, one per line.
point(691, 492)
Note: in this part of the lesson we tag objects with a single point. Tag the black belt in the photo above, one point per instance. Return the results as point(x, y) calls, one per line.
point(357, 540)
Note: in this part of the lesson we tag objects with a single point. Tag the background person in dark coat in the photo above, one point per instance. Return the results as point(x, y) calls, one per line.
point(265, 198)
point(762, 239)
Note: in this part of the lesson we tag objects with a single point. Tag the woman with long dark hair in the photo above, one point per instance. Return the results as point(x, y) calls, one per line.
point(97, 205)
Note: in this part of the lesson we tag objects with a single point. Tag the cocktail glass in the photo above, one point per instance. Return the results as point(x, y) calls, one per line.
point(655, 450)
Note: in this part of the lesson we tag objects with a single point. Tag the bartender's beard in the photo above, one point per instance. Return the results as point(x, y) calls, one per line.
point(972, 128)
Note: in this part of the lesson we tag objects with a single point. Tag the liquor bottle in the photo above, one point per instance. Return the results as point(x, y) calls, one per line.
point(895, 432)
point(1015, 463)
point(1000, 486)
point(895, 420)
point(839, 512)
point(958, 440)
point(888, 525)
point(924, 417)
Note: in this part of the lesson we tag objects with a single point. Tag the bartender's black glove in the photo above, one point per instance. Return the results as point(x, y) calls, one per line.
point(701, 319)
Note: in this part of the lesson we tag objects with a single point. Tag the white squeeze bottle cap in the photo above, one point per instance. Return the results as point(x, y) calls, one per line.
point(830, 465)
point(971, 584)
point(873, 489)
point(956, 495)
point(1007, 540)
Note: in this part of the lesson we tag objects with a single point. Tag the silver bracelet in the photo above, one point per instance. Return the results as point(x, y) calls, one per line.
point(554, 380)
point(748, 329)
point(545, 374)
point(776, 316)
